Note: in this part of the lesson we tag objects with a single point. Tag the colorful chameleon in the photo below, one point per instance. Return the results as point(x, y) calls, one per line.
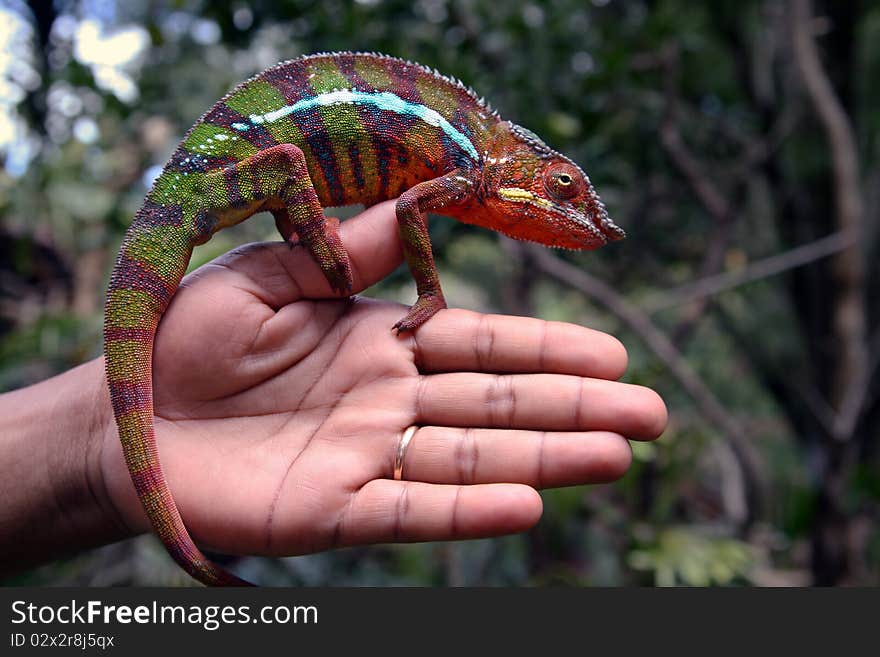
point(330, 129)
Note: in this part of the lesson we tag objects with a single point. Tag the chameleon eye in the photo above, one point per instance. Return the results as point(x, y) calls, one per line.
point(562, 182)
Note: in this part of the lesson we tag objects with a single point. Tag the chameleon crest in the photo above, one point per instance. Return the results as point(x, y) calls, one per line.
point(330, 129)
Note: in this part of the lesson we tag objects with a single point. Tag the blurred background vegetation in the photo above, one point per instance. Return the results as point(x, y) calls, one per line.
point(735, 141)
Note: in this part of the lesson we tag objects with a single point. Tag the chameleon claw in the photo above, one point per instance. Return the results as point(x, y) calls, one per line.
point(340, 278)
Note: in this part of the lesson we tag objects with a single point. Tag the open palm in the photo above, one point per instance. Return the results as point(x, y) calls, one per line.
point(279, 408)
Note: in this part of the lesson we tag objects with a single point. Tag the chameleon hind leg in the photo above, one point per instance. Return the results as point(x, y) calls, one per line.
point(277, 179)
point(330, 254)
point(286, 230)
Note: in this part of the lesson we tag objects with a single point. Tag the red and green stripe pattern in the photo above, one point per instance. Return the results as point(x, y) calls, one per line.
point(364, 148)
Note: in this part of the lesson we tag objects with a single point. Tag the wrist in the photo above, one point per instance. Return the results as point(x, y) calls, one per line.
point(51, 476)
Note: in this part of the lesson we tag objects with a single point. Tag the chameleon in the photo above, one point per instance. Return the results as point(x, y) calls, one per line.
point(324, 130)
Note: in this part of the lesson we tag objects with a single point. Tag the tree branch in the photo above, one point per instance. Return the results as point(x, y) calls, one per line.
point(671, 138)
point(770, 266)
point(852, 410)
point(706, 191)
point(848, 266)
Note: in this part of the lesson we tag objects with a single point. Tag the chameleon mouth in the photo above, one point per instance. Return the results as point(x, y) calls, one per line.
point(586, 226)
point(601, 222)
point(598, 228)
point(611, 231)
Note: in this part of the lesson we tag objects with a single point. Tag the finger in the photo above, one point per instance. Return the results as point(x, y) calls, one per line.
point(460, 340)
point(401, 511)
point(546, 402)
point(279, 275)
point(449, 455)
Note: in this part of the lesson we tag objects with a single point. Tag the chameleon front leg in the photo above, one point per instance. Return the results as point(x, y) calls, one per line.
point(277, 179)
point(413, 229)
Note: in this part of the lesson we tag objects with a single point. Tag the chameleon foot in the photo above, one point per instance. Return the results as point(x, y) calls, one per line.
point(421, 311)
point(337, 268)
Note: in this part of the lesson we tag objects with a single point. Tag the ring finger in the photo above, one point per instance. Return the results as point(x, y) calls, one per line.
point(451, 455)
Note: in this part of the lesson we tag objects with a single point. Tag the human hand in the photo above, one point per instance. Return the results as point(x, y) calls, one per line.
point(279, 408)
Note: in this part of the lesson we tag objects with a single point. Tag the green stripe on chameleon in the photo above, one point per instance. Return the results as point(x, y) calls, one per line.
point(374, 73)
point(129, 355)
point(157, 244)
point(172, 186)
point(131, 424)
point(257, 97)
point(284, 131)
point(439, 98)
point(215, 140)
point(323, 76)
point(127, 308)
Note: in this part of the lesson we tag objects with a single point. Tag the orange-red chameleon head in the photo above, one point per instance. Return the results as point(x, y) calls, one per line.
point(530, 192)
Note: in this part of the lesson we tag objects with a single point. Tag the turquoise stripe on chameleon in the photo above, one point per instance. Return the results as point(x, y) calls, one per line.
point(383, 100)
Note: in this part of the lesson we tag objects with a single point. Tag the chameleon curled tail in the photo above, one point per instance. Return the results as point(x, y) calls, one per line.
point(139, 292)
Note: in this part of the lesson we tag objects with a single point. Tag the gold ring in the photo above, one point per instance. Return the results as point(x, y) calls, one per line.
point(401, 451)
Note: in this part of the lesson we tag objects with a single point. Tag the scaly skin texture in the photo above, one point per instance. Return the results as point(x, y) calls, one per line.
point(325, 130)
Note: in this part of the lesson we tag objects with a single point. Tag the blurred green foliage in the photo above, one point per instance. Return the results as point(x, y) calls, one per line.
point(600, 81)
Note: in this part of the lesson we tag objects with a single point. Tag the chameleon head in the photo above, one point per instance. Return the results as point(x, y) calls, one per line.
point(533, 193)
